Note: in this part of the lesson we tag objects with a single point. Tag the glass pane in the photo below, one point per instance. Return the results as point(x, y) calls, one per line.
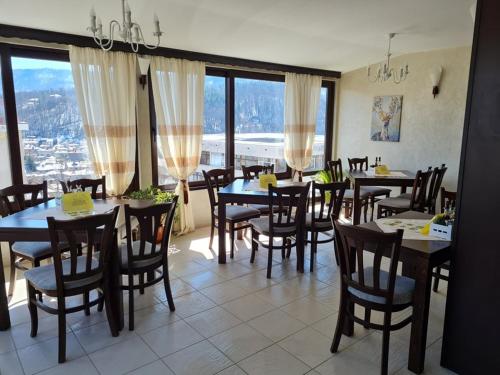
point(213, 148)
point(318, 157)
point(53, 145)
point(5, 174)
point(259, 124)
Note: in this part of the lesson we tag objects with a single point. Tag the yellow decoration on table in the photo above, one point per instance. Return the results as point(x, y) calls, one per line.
point(266, 179)
point(382, 169)
point(427, 227)
point(80, 201)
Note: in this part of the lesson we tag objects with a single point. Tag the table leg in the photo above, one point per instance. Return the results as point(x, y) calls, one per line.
point(348, 328)
point(116, 283)
point(221, 214)
point(300, 251)
point(4, 303)
point(421, 305)
point(356, 215)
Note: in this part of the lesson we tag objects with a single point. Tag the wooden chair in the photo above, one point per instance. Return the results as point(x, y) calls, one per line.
point(326, 203)
point(149, 252)
point(286, 224)
point(14, 199)
point(417, 201)
point(435, 187)
point(335, 167)
point(253, 171)
point(360, 164)
point(215, 180)
point(76, 275)
point(368, 285)
point(87, 183)
point(448, 198)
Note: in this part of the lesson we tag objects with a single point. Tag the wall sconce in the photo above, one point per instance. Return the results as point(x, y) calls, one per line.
point(435, 76)
point(143, 67)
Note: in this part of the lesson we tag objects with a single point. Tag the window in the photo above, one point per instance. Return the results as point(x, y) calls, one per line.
point(52, 140)
point(259, 124)
point(318, 156)
point(213, 149)
point(5, 173)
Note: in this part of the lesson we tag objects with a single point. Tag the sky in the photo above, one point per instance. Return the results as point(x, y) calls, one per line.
point(25, 63)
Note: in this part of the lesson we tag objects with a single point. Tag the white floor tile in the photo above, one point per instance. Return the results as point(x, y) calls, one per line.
point(171, 338)
point(307, 310)
point(6, 342)
point(309, 346)
point(152, 317)
point(155, 368)
point(248, 307)
point(276, 325)
point(240, 342)
point(273, 360)
point(233, 370)
point(82, 365)
point(9, 364)
point(199, 359)
point(192, 303)
point(224, 292)
point(203, 279)
point(47, 329)
point(213, 321)
point(123, 357)
point(99, 336)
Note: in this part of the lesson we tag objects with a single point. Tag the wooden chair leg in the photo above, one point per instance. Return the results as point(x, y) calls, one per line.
point(212, 229)
point(231, 236)
point(86, 303)
point(365, 213)
point(385, 343)
point(372, 206)
point(379, 211)
point(340, 324)
point(113, 325)
point(100, 305)
point(283, 248)
point(141, 283)
point(368, 314)
point(255, 245)
point(270, 257)
point(288, 247)
point(436, 280)
point(36, 263)
point(61, 317)
point(168, 290)
point(130, 302)
point(12, 282)
point(314, 245)
point(32, 309)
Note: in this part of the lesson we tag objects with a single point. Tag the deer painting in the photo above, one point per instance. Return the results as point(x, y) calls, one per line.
point(386, 118)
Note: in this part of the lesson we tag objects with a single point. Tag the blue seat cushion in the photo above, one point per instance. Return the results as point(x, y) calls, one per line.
point(375, 190)
point(403, 288)
point(261, 225)
point(239, 212)
point(136, 245)
point(44, 277)
point(396, 203)
point(32, 249)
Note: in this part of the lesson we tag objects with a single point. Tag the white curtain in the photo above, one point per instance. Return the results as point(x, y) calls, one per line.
point(105, 85)
point(302, 93)
point(178, 89)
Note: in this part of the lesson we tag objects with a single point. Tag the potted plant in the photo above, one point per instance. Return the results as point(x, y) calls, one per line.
point(157, 196)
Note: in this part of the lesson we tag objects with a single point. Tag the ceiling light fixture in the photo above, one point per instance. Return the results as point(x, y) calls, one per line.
point(385, 73)
point(129, 31)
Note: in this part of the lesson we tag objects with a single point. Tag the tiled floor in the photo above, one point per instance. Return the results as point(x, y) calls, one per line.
point(229, 319)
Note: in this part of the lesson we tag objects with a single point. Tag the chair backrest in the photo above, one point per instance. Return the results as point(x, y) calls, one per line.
point(418, 199)
point(330, 199)
point(87, 183)
point(254, 170)
point(97, 232)
point(154, 229)
point(352, 242)
point(358, 164)
point(289, 205)
point(217, 179)
point(434, 187)
point(448, 198)
point(16, 198)
point(335, 167)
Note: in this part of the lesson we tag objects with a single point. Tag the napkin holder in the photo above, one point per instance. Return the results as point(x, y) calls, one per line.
point(382, 170)
point(441, 231)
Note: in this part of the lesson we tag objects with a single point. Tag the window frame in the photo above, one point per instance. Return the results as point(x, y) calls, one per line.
point(231, 75)
point(7, 52)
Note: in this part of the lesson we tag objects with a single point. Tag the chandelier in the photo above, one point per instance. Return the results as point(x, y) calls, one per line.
point(129, 31)
point(386, 72)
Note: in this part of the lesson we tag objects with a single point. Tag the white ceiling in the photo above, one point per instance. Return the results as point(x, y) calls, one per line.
point(329, 34)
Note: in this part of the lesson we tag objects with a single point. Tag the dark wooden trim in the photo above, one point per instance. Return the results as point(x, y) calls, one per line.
point(329, 122)
point(38, 53)
point(152, 125)
point(86, 41)
point(229, 120)
point(11, 116)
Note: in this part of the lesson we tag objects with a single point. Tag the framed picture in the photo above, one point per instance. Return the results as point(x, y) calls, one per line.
point(386, 118)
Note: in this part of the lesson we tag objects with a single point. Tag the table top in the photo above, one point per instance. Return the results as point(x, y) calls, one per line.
point(238, 187)
point(362, 175)
point(424, 248)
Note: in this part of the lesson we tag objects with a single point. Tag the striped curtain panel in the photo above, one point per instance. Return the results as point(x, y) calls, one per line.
point(178, 89)
point(105, 85)
point(302, 93)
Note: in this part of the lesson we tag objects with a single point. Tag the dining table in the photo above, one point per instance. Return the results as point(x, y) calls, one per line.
point(359, 178)
point(419, 257)
point(30, 225)
point(242, 191)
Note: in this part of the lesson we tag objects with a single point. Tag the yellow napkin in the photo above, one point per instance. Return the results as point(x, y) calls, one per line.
point(382, 169)
point(427, 227)
point(266, 179)
point(80, 201)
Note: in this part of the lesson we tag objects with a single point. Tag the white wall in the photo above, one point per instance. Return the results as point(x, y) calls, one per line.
point(431, 129)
